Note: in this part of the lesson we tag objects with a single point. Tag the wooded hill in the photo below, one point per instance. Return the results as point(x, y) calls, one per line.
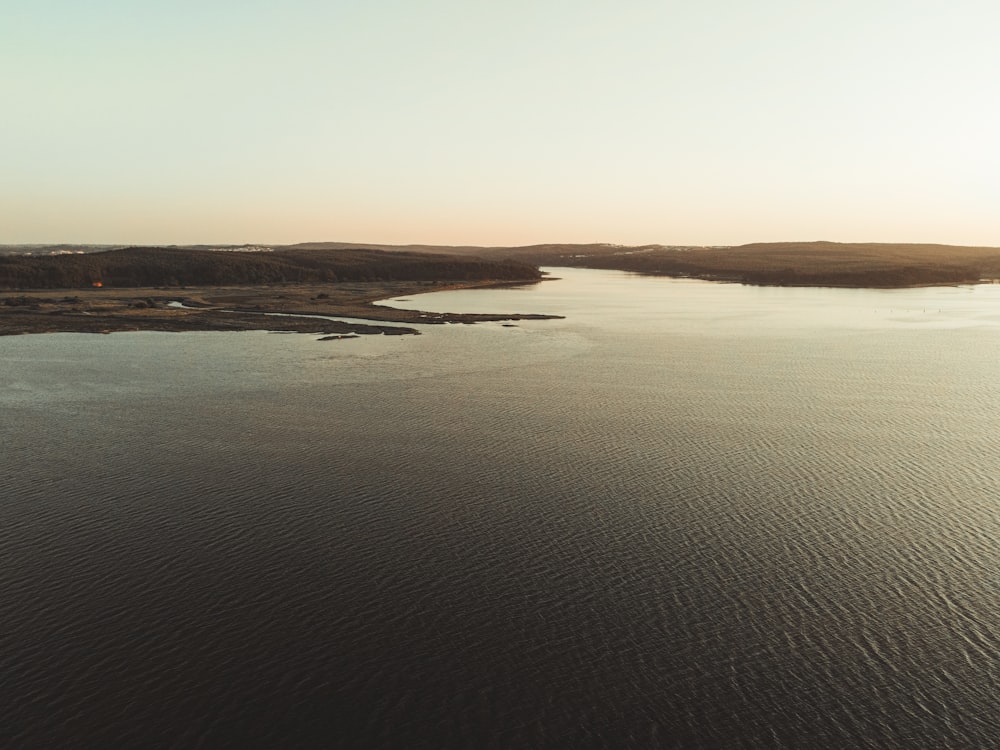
point(160, 266)
point(781, 263)
point(765, 263)
point(776, 263)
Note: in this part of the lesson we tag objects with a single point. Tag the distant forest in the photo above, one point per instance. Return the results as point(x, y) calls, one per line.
point(840, 264)
point(774, 263)
point(784, 263)
point(159, 267)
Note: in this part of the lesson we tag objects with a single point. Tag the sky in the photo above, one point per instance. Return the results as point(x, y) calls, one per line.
point(708, 122)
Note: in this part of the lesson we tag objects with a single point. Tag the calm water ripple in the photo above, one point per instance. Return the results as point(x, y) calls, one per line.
point(689, 515)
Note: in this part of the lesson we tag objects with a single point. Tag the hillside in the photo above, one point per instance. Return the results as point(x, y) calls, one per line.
point(170, 267)
point(777, 263)
point(764, 263)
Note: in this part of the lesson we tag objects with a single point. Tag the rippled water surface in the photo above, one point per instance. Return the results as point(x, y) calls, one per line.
point(689, 515)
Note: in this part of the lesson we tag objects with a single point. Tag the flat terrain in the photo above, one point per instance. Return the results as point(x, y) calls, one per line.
point(232, 308)
point(193, 289)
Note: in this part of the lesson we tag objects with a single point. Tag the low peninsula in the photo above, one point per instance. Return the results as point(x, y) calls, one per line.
point(78, 288)
point(194, 289)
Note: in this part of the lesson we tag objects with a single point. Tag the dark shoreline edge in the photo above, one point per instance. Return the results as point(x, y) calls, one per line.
point(791, 264)
point(276, 308)
point(723, 279)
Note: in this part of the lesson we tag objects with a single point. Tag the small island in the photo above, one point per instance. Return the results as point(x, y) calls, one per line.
point(192, 289)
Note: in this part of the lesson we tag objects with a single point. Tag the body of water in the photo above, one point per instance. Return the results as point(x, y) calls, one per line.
point(688, 515)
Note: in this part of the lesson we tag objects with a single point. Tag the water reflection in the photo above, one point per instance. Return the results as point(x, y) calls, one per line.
point(690, 304)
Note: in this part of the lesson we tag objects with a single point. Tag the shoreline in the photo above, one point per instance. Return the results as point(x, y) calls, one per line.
point(300, 307)
point(801, 285)
point(236, 308)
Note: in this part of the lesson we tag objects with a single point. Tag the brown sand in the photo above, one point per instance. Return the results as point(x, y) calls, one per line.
point(238, 308)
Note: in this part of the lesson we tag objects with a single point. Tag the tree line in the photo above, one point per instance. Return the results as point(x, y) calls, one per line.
point(166, 266)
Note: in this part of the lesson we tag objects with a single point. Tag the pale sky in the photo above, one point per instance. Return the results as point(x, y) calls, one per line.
point(499, 123)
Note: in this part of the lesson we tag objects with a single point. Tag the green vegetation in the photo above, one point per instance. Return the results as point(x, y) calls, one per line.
point(168, 267)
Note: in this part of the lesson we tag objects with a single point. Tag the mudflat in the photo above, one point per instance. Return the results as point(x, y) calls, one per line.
point(230, 308)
